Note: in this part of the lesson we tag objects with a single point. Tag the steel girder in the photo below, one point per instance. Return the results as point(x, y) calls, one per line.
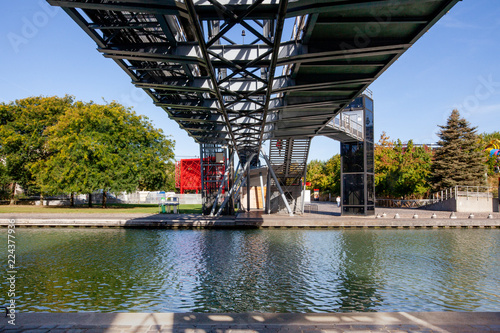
point(183, 55)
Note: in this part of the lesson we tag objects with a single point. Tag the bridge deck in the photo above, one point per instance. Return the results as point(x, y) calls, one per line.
point(183, 55)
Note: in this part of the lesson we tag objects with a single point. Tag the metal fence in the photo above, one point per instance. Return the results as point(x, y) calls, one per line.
point(446, 194)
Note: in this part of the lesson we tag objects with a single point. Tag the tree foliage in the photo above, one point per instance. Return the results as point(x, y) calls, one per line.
point(401, 170)
point(460, 159)
point(53, 145)
point(103, 147)
point(325, 176)
point(22, 135)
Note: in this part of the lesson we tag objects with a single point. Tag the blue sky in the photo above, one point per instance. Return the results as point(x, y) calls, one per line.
point(454, 65)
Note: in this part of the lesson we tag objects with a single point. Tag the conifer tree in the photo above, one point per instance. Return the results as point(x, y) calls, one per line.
point(459, 160)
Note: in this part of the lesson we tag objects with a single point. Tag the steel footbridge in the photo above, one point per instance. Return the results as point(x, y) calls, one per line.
point(300, 65)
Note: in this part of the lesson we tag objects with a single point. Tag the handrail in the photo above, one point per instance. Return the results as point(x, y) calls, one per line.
point(446, 194)
point(461, 191)
point(349, 126)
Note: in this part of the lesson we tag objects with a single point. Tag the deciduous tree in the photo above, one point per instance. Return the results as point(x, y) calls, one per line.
point(325, 176)
point(401, 170)
point(104, 147)
point(23, 137)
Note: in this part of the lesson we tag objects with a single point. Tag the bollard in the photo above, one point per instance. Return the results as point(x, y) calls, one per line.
point(490, 216)
point(384, 214)
point(471, 216)
point(415, 216)
point(452, 215)
point(396, 216)
point(433, 216)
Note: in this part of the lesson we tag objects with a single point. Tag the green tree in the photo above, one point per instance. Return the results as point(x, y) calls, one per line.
point(460, 159)
point(23, 138)
point(385, 168)
point(413, 170)
point(5, 181)
point(401, 170)
point(104, 147)
point(332, 170)
point(316, 174)
point(325, 176)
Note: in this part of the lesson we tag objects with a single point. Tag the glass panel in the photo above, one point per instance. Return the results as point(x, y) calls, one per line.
point(370, 188)
point(353, 211)
point(352, 157)
point(369, 126)
point(356, 104)
point(353, 190)
point(368, 104)
point(369, 157)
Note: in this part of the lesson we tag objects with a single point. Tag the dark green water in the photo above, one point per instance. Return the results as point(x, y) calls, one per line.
point(67, 270)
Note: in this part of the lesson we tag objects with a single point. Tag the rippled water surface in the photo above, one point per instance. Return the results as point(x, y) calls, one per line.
point(65, 270)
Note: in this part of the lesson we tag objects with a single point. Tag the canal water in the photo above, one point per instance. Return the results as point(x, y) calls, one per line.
point(131, 270)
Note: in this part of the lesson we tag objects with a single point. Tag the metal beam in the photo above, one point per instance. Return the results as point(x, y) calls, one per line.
point(270, 169)
point(280, 21)
point(199, 35)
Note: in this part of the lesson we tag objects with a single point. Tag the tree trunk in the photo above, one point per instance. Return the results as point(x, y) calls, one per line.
point(104, 199)
point(41, 199)
point(13, 193)
point(72, 200)
point(90, 200)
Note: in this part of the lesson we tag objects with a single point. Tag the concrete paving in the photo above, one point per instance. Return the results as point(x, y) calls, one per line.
point(398, 322)
point(323, 215)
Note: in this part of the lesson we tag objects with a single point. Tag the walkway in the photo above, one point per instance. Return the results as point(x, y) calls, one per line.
point(399, 322)
point(327, 215)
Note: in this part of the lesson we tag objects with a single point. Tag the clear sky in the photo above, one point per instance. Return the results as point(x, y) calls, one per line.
point(454, 65)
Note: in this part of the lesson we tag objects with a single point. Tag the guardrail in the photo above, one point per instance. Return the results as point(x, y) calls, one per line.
point(449, 193)
point(347, 125)
point(461, 191)
point(392, 203)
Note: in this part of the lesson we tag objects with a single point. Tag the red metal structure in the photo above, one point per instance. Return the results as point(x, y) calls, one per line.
point(187, 175)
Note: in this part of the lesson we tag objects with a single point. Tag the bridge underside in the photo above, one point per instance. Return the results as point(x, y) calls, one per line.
point(236, 73)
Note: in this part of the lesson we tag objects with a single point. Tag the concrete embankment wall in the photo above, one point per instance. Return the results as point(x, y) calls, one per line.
point(231, 223)
point(465, 205)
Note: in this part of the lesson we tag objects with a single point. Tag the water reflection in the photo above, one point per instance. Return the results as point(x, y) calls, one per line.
point(256, 270)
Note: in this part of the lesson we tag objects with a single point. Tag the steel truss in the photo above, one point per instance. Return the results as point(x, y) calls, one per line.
point(182, 53)
point(221, 91)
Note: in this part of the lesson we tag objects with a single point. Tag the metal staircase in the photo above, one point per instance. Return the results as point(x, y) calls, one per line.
point(288, 158)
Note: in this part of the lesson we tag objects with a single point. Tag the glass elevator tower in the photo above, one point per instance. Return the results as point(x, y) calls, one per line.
point(357, 162)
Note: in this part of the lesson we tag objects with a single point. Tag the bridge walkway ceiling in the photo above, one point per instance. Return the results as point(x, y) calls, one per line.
point(219, 91)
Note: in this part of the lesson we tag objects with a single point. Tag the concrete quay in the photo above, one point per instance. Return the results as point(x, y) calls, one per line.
point(326, 216)
point(388, 322)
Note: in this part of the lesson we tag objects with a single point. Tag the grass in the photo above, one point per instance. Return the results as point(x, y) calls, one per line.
point(112, 209)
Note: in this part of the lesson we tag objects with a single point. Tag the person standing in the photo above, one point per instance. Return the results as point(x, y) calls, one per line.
point(338, 201)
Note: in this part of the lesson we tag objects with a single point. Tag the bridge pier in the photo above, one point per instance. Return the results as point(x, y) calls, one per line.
point(357, 162)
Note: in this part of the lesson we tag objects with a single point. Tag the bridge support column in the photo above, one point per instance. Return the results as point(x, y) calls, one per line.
point(357, 159)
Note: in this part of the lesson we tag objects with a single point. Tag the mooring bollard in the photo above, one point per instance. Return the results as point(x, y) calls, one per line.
point(415, 216)
point(433, 216)
point(452, 215)
point(490, 216)
point(471, 216)
point(396, 216)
